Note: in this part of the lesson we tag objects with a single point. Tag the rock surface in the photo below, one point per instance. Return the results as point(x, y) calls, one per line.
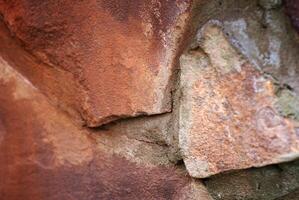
point(266, 183)
point(229, 112)
point(292, 8)
point(292, 196)
point(95, 104)
point(47, 156)
point(120, 53)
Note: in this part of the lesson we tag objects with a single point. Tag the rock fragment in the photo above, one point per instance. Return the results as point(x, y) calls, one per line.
point(228, 118)
point(45, 155)
point(120, 54)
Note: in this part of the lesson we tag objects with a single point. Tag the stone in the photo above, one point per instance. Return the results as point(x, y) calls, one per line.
point(292, 196)
point(45, 155)
point(59, 86)
point(270, 4)
point(260, 35)
point(292, 9)
point(119, 54)
point(228, 118)
point(266, 183)
point(108, 99)
point(195, 191)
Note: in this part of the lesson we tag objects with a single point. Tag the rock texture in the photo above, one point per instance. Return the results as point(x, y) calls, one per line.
point(292, 8)
point(120, 53)
point(292, 196)
point(266, 183)
point(229, 113)
point(44, 155)
point(140, 99)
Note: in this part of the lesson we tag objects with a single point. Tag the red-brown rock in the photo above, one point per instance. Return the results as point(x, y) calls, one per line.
point(120, 53)
point(44, 155)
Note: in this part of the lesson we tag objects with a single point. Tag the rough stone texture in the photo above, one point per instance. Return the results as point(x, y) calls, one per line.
point(44, 155)
point(120, 53)
point(292, 8)
point(266, 38)
point(58, 85)
point(228, 111)
point(292, 196)
point(270, 4)
point(267, 183)
point(140, 140)
point(68, 63)
point(263, 35)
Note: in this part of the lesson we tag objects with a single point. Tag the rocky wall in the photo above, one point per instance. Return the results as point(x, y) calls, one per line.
point(161, 99)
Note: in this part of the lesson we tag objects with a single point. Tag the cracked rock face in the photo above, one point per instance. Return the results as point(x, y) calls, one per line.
point(149, 99)
point(45, 155)
point(228, 118)
point(119, 53)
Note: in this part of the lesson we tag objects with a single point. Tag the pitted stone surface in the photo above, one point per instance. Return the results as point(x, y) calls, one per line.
point(44, 155)
point(228, 118)
point(64, 64)
point(121, 53)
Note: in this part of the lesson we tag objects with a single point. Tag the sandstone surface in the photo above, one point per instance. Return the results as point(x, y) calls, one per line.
point(120, 54)
point(230, 116)
point(45, 155)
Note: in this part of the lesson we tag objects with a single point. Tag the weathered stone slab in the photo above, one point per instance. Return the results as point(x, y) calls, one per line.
point(121, 53)
point(230, 114)
point(44, 155)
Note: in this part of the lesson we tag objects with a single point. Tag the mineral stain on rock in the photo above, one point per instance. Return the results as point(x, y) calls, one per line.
point(235, 124)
